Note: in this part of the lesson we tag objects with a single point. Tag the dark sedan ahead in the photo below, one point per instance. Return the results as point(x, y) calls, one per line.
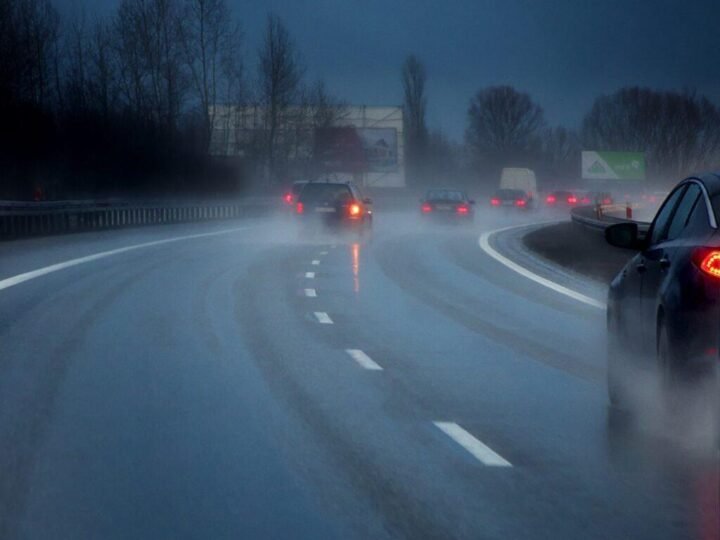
point(663, 309)
point(447, 205)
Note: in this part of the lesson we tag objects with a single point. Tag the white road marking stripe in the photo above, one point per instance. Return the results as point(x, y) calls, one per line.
point(310, 275)
point(312, 293)
point(323, 253)
point(315, 262)
point(323, 318)
point(487, 248)
point(363, 359)
point(34, 274)
point(479, 450)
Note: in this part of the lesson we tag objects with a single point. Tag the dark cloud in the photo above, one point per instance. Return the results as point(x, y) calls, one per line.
point(563, 52)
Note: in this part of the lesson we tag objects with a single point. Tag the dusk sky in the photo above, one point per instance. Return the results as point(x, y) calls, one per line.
point(563, 52)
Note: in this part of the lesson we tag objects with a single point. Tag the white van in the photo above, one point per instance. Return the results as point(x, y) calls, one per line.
point(524, 179)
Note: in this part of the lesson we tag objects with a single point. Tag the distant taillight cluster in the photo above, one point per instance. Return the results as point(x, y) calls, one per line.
point(495, 201)
point(426, 208)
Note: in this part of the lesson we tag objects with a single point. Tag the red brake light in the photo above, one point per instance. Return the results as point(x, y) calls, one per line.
point(462, 209)
point(300, 208)
point(572, 199)
point(354, 209)
point(550, 199)
point(288, 198)
point(708, 260)
point(520, 202)
point(585, 200)
point(607, 201)
point(495, 201)
point(425, 208)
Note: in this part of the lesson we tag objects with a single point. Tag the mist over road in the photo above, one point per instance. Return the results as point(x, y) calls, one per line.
point(242, 383)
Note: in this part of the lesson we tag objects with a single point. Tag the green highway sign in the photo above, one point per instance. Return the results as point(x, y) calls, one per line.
point(613, 165)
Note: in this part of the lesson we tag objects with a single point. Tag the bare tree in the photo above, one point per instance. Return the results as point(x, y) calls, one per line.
point(679, 132)
point(416, 133)
point(151, 59)
point(560, 152)
point(279, 80)
point(212, 46)
point(504, 127)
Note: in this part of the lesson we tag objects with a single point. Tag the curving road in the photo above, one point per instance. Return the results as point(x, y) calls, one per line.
point(228, 381)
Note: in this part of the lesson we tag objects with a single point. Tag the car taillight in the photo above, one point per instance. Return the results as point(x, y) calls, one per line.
point(425, 208)
point(572, 200)
point(520, 202)
point(585, 200)
point(550, 199)
point(288, 198)
point(462, 209)
point(495, 201)
point(354, 209)
point(299, 208)
point(707, 260)
point(607, 201)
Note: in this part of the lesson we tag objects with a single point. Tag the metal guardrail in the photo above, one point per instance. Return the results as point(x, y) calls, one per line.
point(37, 219)
point(594, 217)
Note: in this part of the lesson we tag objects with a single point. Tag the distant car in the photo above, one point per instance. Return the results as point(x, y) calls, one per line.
point(585, 198)
point(333, 206)
point(511, 198)
point(663, 309)
point(290, 197)
point(447, 205)
point(561, 199)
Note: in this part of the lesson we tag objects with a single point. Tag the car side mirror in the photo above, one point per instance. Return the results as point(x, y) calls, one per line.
point(624, 235)
point(367, 200)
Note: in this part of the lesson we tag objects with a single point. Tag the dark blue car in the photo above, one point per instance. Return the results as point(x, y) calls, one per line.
point(663, 312)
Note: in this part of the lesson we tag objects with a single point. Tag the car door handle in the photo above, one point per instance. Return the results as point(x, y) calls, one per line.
point(640, 267)
point(664, 263)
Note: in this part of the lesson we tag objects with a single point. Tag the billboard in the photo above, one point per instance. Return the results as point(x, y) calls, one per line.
point(613, 165)
point(380, 148)
point(350, 149)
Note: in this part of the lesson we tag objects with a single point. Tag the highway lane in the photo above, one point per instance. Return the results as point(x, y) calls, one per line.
point(197, 389)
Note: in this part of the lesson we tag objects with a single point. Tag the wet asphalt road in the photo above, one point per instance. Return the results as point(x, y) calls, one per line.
point(248, 385)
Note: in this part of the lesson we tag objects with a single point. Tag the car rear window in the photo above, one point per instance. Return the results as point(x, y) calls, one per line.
point(509, 194)
point(325, 193)
point(445, 195)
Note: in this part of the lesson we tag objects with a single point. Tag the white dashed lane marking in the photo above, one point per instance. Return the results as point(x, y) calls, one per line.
point(310, 275)
point(323, 253)
point(323, 318)
point(363, 359)
point(311, 293)
point(480, 451)
point(315, 262)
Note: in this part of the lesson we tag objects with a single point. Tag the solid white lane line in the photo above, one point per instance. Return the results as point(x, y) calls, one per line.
point(363, 359)
point(34, 274)
point(315, 262)
point(487, 248)
point(479, 450)
point(312, 293)
point(310, 275)
point(323, 318)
